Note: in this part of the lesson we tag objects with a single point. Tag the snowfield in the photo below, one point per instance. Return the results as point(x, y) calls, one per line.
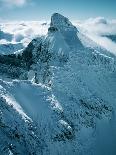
point(58, 94)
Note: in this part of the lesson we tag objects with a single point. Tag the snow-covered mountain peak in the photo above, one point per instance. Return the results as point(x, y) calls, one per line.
point(67, 30)
point(61, 22)
point(58, 93)
point(58, 19)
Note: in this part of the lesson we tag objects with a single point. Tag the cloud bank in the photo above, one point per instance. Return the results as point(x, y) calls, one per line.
point(99, 26)
point(24, 32)
point(97, 29)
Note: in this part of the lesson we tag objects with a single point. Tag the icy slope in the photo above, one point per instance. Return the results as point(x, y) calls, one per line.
point(18, 133)
point(33, 121)
point(58, 45)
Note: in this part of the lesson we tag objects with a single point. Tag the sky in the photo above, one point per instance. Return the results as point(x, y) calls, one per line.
point(43, 9)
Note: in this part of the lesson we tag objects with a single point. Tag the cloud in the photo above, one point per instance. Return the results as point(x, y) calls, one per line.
point(98, 20)
point(24, 31)
point(97, 29)
point(11, 3)
point(99, 26)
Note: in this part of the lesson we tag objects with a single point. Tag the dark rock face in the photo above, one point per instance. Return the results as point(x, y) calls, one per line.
point(15, 66)
point(52, 29)
point(12, 66)
point(27, 55)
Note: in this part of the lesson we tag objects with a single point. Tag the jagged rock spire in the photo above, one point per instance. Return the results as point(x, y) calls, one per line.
point(61, 23)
